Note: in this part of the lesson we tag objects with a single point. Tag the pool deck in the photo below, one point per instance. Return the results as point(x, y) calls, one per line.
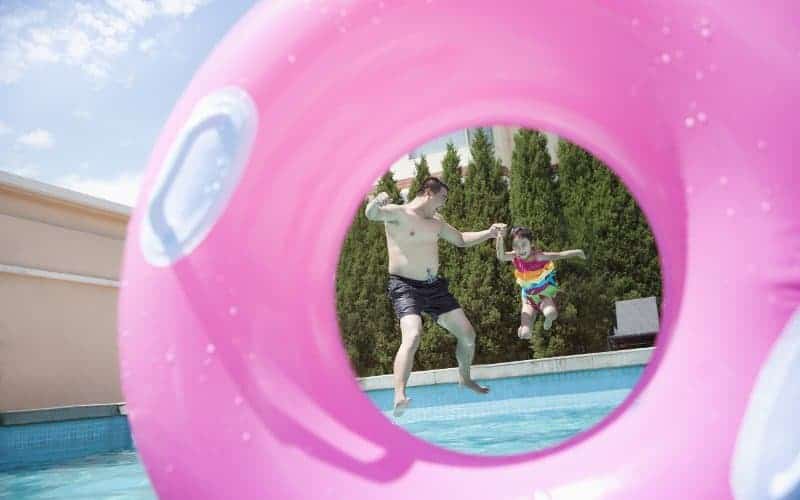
point(561, 364)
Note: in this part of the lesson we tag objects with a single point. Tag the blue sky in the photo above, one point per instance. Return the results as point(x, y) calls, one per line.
point(85, 87)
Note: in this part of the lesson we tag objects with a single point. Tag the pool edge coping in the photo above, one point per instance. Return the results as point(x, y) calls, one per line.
point(11, 418)
point(523, 368)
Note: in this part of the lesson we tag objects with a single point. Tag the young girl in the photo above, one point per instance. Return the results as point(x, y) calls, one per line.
point(536, 276)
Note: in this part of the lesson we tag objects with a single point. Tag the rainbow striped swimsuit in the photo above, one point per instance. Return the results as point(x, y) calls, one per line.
point(537, 279)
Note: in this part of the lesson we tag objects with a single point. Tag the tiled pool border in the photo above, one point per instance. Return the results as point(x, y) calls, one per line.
point(570, 383)
point(34, 437)
point(40, 443)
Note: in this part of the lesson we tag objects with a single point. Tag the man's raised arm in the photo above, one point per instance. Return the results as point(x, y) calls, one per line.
point(379, 209)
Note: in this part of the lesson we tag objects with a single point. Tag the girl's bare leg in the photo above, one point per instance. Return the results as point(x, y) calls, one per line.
point(548, 307)
point(526, 318)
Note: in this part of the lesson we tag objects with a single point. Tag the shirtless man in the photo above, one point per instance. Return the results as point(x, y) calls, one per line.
point(412, 234)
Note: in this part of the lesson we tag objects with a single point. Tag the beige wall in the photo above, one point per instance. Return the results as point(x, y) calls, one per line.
point(60, 254)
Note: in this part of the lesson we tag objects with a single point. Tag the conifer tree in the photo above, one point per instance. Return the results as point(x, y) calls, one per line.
point(486, 288)
point(388, 185)
point(453, 210)
point(450, 257)
point(535, 203)
point(421, 172)
point(535, 199)
point(366, 319)
point(602, 218)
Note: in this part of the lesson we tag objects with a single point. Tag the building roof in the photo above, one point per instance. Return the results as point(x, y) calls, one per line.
point(66, 196)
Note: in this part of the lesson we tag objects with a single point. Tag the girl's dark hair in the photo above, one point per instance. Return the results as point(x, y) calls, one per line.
point(522, 232)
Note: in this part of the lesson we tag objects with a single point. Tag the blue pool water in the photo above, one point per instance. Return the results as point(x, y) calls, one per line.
point(519, 415)
point(512, 426)
point(117, 475)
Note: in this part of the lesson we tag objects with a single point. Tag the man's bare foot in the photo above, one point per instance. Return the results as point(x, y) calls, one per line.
point(524, 332)
point(400, 406)
point(473, 386)
point(547, 323)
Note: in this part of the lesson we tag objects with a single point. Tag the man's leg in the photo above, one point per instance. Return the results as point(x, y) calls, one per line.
point(411, 329)
point(456, 323)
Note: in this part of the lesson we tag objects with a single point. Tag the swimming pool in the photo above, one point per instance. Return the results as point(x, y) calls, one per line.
point(118, 475)
point(520, 414)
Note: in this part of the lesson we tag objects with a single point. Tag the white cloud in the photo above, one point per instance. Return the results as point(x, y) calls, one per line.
point(42, 45)
point(89, 36)
point(147, 45)
point(96, 71)
point(180, 7)
point(12, 66)
point(37, 139)
point(105, 24)
point(135, 11)
point(39, 52)
point(4, 128)
point(12, 61)
point(111, 46)
point(78, 45)
point(41, 36)
point(81, 114)
point(122, 189)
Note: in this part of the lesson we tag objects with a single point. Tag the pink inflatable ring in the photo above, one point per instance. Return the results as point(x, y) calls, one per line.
point(236, 378)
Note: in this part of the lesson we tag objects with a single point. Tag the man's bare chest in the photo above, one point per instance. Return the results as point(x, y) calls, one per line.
point(413, 228)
